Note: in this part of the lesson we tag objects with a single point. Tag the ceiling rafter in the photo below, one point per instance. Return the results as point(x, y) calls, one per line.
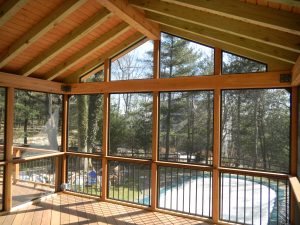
point(92, 67)
point(250, 45)
point(273, 64)
point(287, 2)
point(9, 9)
point(92, 47)
point(71, 38)
point(133, 17)
point(243, 29)
point(254, 14)
point(39, 30)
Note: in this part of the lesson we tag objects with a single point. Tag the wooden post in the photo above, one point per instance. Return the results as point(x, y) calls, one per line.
point(218, 61)
point(155, 128)
point(216, 157)
point(57, 173)
point(156, 56)
point(216, 145)
point(9, 148)
point(64, 139)
point(105, 134)
point(16, 174)
point(294, 147)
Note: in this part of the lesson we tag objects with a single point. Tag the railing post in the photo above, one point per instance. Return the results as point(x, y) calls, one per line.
point(105, 134)
point(16, 174)
point(9, 148)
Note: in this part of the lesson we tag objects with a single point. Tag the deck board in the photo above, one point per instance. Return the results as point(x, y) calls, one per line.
point(69, 209)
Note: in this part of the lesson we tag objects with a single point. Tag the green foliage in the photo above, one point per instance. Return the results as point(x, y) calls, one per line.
point(130, 129)
point(37, 119)
point(85, 123)
point(180, 57)
point(235, 64)
point(255, 129)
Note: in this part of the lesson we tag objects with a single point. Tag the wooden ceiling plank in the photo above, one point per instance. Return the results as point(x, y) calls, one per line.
point(92, 47)
point(250, 45)
point(296, 73)
point(9, 9)
point(236, 27)
point(64, 43)
point(133, 17)
point(29, 83)
point(273, 64)
point(94, 66)
point(250, 13)
point(39, 30)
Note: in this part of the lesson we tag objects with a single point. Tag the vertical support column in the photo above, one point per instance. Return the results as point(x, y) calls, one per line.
point(218, 61)
point(64, 139)
point(155, 127)
point(216, 157)
point(154, 151)
point(105, 133)
point(216, 148)
point(156, 56)
point(294, 147)
point(9, 148)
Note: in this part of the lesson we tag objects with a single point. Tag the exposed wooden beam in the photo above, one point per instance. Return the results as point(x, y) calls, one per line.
point(250, 13)
point(89, 49)
point(240, 81)
point(66, 42)
point(228, 25)
point(29, 83)
point(39, 30)
point(247, 44)
point(296, 73)
point(93, 66)
point(287, 2)
point(133, 17)
point(9, 9)
point(273, 64)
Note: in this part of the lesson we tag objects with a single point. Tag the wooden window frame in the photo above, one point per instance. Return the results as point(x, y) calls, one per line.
point(215, 82)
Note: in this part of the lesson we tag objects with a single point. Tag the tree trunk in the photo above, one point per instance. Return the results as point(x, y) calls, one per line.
point(255, 155)
point(168, 127)
point(52, 123)
point(238, 137)
point(82, 122)
point(208, 128)
point(168, 119)
point(93, 115)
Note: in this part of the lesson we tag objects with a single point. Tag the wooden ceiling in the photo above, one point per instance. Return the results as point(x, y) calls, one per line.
point(62, 40)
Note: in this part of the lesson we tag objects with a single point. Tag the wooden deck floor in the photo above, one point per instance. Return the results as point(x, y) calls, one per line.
point(69, 209)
